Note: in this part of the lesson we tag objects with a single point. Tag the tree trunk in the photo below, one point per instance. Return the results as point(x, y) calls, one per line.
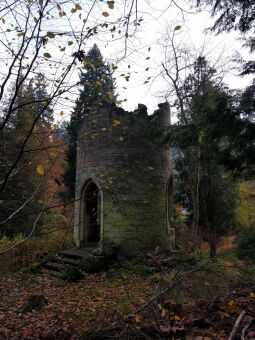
point(213, 249)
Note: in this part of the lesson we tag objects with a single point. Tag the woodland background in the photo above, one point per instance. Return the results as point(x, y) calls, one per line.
point(212, 142)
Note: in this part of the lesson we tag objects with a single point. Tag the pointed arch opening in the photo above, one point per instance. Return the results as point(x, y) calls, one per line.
point(91, 214)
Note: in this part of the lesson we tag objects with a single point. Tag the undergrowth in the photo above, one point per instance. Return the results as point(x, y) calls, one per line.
point(26, 254)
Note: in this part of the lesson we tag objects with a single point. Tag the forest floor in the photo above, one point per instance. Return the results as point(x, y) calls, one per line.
point(203, 303)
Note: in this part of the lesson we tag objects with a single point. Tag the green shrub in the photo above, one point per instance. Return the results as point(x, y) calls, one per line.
point(34, 302)
point(70, 274)
point(245, 241)
point(6, 241)
point(32, 268)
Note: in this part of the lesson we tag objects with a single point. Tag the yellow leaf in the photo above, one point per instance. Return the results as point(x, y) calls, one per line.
point(47, 55)
point(78, 7)
point(104, 129)
point(121, 138)
point(115, 122)
point(252, 295)
point(40, 169)
point(110, 96)
point(177, 28)
point(50, 35)
point(160, 307)
point(105, 14)
point(177, 318)
point(110, 4)
point(233, 307)
point(163, 312)
point(138, 318)
point(86, 60)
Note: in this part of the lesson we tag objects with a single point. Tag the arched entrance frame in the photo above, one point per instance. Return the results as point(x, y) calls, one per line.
point(82, 217)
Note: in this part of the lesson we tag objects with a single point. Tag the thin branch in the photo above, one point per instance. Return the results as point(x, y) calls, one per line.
point(12, 216)
point(236, 325)
point(25, 240)
point(245, 329)
point(168, 288)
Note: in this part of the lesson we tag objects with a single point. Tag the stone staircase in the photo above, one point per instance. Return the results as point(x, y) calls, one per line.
point(72, 257)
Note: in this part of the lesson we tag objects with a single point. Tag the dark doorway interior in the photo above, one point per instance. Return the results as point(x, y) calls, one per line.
point(92, 223)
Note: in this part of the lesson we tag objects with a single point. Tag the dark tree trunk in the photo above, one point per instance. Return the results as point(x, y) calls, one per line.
point(213, 249)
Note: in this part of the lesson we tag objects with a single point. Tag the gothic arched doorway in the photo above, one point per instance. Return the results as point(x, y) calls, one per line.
point(91, 213)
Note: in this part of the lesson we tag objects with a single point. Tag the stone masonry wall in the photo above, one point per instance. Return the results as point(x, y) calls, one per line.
point(116, 150)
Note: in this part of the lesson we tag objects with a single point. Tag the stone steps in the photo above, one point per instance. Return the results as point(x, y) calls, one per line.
point(67, 260)
point(72, 257)
point(49, 272)
point(54, 266)
point(77, 253)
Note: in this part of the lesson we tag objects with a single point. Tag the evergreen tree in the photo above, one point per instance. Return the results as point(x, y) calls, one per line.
point(97, 84)
point(243, 136)
point(239, 15)
point(202, 136)
point(39, 96)
point(27, 185)
point(235, 15)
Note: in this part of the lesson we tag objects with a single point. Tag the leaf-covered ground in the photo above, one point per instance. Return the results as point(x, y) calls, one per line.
point(97, 307)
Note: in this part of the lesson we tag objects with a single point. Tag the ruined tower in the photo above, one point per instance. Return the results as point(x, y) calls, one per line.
point(123, 180)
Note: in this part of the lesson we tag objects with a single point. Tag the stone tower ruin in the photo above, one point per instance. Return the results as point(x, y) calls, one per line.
point(123, 180)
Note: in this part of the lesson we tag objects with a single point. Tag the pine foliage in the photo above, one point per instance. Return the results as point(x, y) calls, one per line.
point(97, 84)
point(26, 185)
point(201, 136)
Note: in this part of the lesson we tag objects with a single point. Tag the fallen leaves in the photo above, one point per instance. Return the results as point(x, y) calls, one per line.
point(40, 169)
point(100, 303)
point(115, 122)
point(72, 309)
point(233, 307)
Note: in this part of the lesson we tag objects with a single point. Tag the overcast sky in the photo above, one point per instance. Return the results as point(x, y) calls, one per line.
point(145, 50)
point(157, 17)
